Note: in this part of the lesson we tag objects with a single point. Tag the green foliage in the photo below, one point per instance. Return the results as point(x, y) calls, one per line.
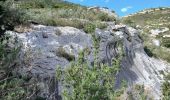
point(9, 83)
point(89, 28)
point(153, 19)
point(166, 42)
point(154, 51)
point(12, 85)
point(65, 5)
point(105, 17)
point(7, 55)
point(62, 53)
point(100, 25)
point(138, 92)
point(11, 16)
point(158, 52)
point(81, 81)
point(62, 13)
point(167, 77)
point(129, 22)
point(166, 87)
point(38, 3)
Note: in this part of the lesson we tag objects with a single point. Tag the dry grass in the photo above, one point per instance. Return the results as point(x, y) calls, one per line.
point(22, 29)
point(62, 53)
point(156, 19)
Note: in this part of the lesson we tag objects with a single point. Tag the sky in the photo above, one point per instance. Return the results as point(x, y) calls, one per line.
point(124, 7)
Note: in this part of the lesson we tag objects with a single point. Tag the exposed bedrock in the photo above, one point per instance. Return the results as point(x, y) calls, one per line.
point(46, 47)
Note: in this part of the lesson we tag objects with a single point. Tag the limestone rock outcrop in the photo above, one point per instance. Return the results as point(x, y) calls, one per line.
point(46, 47)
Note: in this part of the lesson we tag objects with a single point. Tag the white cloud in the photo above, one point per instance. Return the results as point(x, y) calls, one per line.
point(125, 9)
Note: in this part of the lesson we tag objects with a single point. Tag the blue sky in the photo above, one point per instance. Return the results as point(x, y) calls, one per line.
point(124, 7)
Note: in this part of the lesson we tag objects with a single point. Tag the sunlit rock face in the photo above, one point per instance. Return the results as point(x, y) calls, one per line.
point(136, 67)
point(46, 47)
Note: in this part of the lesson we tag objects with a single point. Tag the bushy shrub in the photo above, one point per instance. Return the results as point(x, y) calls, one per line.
point(166, 42)
point(100, 25)
point(129, 22)
point(89, 28)
point(138, 92)
point(62, 13)
point(105, 17)
point(13, 86)
point(38, 3)
point(166, 87)
point(64, 5)
point(62, 53)
point(11, 16)
point(7, 54)
point(81, 81)
point(7, 61)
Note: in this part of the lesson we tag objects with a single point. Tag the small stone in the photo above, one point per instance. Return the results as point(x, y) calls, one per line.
point(45, 35)
point(156, 42)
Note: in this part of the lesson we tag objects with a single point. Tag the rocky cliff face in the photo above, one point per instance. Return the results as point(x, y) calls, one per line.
point(45, 47)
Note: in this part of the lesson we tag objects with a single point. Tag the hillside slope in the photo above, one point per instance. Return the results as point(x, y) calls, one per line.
point(97, 57)
point(155, 30)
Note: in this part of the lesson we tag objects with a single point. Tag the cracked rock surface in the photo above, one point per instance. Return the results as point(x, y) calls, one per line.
point(46, 47)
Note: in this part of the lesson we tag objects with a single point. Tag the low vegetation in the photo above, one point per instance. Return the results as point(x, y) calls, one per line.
point(12, 85)
point(151, 19)
point(138, 91)
point(62, 53)
point(166, 42)
point(80, 81)
point(89, 28)
point(166, 87)
point(10, 16)
point(62, 13)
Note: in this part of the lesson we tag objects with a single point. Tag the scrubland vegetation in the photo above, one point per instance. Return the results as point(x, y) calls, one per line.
point(55, 13)
point(84, 81)
point(156, 18)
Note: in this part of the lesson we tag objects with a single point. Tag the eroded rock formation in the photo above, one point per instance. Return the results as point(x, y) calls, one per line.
point(46, 47)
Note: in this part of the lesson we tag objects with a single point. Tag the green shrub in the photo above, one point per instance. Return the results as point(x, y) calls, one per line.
point(166, 87)
point(166, 90)
point(81, 81)
point(167, 77)
point(38, 3)
point(7, 55)
point(100, 25)
point(10, 16)
point(138, 92)
point(105, 17)
point(13, 86)
point(9, 83)
point(62, 53)
point(65, 5)
point(55, 10)
point(166, 42)
point(129, 22)
point(89, 28)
